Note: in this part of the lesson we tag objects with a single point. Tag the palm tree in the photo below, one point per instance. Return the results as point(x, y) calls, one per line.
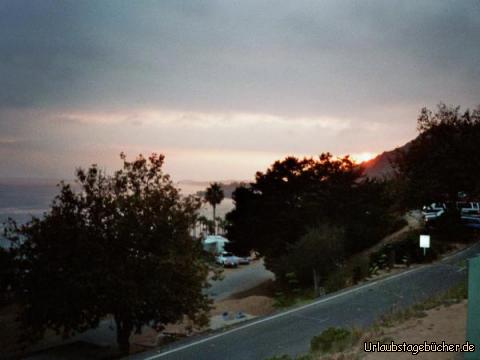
point(214, 196)
point(222, 225)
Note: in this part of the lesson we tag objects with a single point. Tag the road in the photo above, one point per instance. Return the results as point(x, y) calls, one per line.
point(290, 332)
point(237, 280)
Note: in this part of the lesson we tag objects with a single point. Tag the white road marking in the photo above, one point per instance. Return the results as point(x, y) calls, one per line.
point(288, 312)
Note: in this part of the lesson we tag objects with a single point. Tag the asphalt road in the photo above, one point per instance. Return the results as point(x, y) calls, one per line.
point(237, 280)
point(290, 332)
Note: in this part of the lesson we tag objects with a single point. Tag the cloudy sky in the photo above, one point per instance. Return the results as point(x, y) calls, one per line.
point(223, 88)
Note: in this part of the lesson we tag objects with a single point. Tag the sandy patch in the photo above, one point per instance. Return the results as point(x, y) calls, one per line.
point(441, 324)
point(256, 305)
point(250, 306)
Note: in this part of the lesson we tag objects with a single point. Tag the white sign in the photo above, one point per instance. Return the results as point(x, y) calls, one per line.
point(424, 241)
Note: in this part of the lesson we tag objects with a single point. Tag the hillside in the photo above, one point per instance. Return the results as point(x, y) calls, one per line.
point(381, 165)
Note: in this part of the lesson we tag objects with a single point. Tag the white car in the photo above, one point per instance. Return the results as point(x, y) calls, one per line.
point(243, 260)
point(469, 208)
point(433, 211)
point(227, 259)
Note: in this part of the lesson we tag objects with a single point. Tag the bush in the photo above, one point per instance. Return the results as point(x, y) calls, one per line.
point(407, 251)
point(337, 280)
point(320, 249)
point(360, 269)
point(334, 340)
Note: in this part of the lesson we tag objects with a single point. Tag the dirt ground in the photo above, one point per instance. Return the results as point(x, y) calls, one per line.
point(256, 305)
point(441, 324)
point(256, 301)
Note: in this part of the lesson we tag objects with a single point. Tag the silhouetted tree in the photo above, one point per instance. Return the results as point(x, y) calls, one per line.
point(7, 274)
point(120, 246)
point(317, 253)
point(214, 196)
point(294, 195)
point(444, 159)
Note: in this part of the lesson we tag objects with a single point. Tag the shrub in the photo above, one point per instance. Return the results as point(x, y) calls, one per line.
point(360, 269)
point(334, 340)
point(337, 280)
point(407, 251)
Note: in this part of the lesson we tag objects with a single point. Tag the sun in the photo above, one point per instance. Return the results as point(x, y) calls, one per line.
point(363, 156)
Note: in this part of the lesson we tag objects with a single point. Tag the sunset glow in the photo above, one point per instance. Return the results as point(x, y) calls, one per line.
point(363, 156)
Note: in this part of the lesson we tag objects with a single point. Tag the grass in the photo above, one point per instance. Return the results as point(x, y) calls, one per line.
point(334, 340)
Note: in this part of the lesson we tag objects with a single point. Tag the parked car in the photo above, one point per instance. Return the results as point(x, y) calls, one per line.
point(472, 222)
point(227, 259)
point(433, 211)
point(243, 260)
point(469, 208)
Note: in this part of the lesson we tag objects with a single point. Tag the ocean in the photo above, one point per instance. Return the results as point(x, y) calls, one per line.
point(20, 200)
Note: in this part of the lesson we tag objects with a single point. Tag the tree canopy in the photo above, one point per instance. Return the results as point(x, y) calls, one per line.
point(118, 246)
point(444, 159)
point(294, 195)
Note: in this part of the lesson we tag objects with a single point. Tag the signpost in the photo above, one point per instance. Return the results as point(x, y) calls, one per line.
point(424, 243)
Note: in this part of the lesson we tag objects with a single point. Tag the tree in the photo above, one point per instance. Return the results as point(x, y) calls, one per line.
point(295, 195)
point(119, 246)
point(214, 196)
point(207, 225)
point(317, 253)
point(444, 159)
point(7, 274)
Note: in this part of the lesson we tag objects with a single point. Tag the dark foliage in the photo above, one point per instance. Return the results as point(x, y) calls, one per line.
point(120, 246)
point(445, 158)
point(7, 275)
point(294, 195)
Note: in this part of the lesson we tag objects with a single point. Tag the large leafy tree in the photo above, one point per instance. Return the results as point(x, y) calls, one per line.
point(119, 246)
point(294, 195)
point(214, 196)
point(444, 159)
point(316, 254)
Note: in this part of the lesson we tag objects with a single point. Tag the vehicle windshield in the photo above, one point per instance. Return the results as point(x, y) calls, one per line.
point(227, 254)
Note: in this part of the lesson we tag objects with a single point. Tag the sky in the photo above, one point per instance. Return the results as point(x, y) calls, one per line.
point(224, 88)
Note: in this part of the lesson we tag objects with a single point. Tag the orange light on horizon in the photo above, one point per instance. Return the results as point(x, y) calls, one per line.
point(363, 156)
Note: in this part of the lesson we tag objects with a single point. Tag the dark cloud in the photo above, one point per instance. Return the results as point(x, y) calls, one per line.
point(371, 63)
point(272, 56)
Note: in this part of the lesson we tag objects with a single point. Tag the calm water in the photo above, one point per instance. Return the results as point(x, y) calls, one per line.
point(22, 201)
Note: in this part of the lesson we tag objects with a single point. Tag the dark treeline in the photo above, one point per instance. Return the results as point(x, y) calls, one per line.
point(291, 210)
point(306, 201)
point(443, 160)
